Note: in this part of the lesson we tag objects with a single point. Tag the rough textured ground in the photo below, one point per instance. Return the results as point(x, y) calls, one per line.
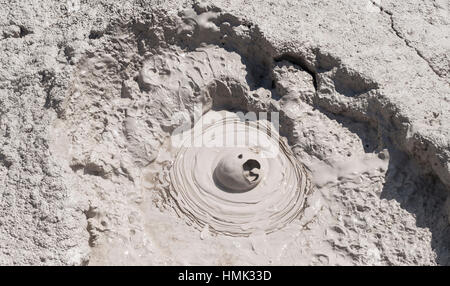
point(363, 91)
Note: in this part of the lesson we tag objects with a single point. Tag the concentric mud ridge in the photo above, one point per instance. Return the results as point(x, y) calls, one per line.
point(232, 205)
point(148, 198)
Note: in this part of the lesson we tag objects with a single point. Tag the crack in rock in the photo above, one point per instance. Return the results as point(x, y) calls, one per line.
point(406, 41)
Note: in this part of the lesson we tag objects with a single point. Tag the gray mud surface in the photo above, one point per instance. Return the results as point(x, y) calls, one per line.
point(91, 92)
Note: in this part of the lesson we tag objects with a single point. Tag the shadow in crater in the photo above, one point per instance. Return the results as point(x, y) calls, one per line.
point(371, 140)
point(422, 195)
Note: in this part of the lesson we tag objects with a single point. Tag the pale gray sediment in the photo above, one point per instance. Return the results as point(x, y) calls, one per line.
point(90, 92)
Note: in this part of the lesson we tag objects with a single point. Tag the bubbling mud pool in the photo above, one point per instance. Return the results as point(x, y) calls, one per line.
point(237, 188)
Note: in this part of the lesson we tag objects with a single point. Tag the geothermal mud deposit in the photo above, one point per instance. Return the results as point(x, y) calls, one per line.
point(239, 188)
point(221, 132)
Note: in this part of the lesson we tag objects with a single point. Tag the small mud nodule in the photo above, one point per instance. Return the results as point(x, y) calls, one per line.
point(232, 175)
